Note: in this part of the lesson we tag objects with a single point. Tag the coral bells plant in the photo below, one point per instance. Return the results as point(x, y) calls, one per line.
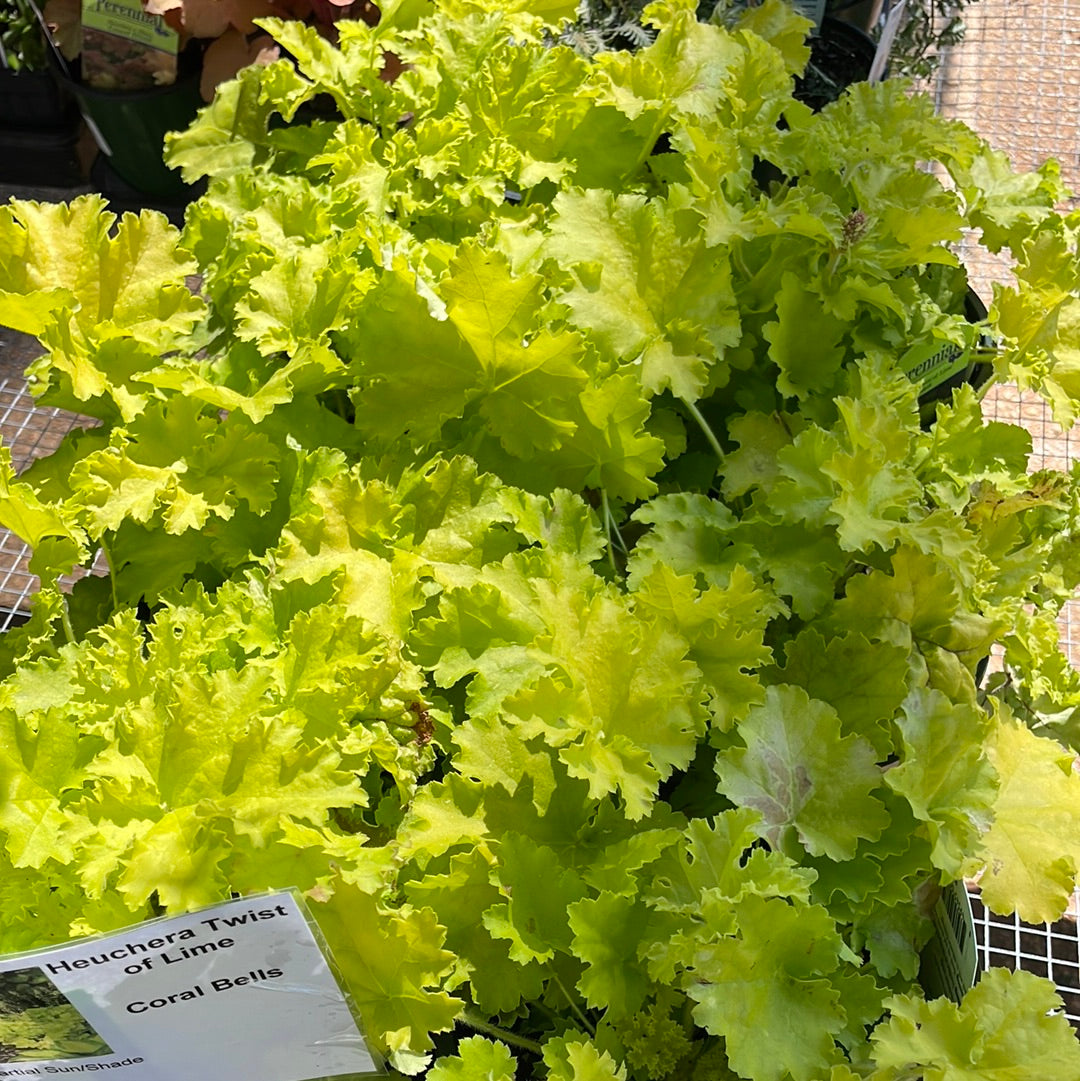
point(526, 542)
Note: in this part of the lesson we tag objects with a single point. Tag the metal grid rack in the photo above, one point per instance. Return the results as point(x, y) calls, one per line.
point(1051, 448)
point(1050, 950)
point(28, 432)
point(1015, 79)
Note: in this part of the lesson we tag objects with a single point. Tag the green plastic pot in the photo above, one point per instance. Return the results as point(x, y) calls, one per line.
point(130, 126)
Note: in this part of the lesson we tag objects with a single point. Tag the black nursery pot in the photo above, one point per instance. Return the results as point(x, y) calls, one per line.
point(39, 129)
point(841, 54)
point(130, 126)
point(32, 101)
point(861, 13)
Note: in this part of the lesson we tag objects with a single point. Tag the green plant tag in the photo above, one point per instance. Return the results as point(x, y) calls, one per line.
point(125, 48)
point(949, 964)
point(241, 989)
point(930, 364)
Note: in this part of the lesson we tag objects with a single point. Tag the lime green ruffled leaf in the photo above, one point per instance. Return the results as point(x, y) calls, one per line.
point(393, 962)
point(1032, 849)
point(533, 921)
point(802, 776)
point(229, 136)
point(767, 991)
point(1006, 205)
point(477, 1059)
point(651, 295)
point(1010, 1025)
point(1039, 320)
point(609, 931)
point(570, 1059)
point(76, 262)
point(459, 898)
point(945, 775)
point(28, 516)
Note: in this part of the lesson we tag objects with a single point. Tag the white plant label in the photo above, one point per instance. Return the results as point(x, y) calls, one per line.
point(241, 990)
point(885, 43)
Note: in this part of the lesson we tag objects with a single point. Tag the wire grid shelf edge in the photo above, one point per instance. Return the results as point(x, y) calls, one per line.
point(28, 432)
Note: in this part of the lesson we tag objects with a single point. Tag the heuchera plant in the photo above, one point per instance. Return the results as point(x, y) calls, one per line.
point(521, 537)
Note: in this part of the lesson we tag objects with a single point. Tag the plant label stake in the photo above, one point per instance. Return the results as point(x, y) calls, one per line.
point(949, 962)
point(885, 44)
point(241, 989)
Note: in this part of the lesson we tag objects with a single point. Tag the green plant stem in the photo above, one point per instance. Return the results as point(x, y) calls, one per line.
point(989, 355)
point(611, 529)
point(474, 1022)
point(112, 572)
point(610, 543)
point(703, 424)
point(65, 621)
point(613, 526)
point(579, 1013)
point(658, 128)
